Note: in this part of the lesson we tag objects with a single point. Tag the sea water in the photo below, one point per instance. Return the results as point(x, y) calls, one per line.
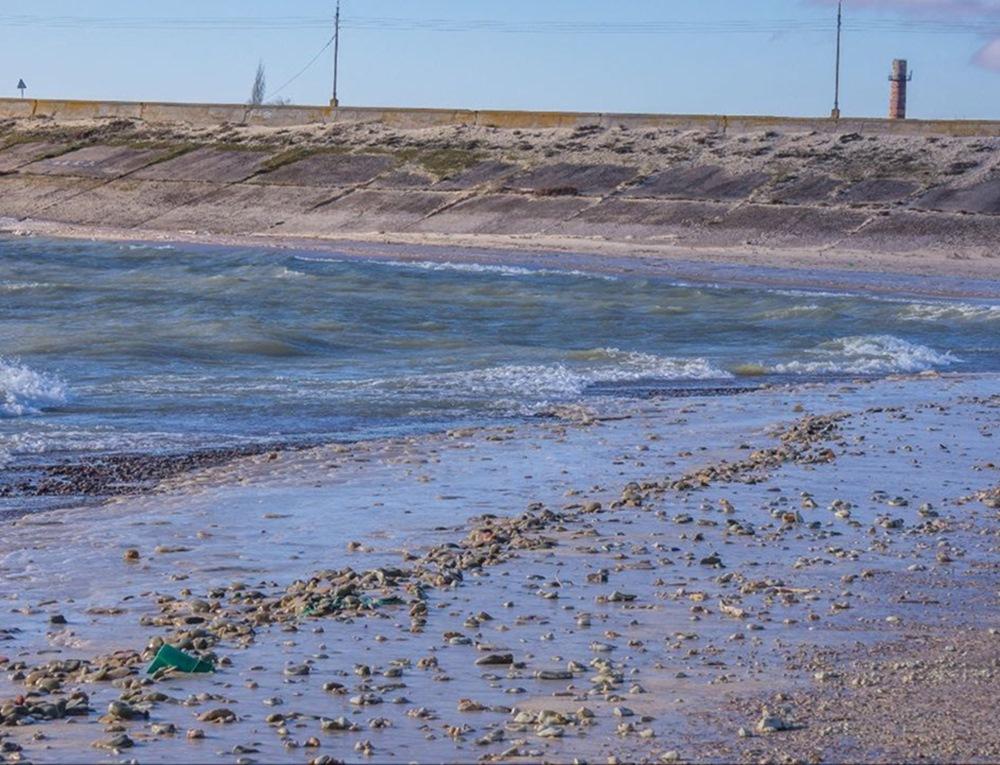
point(112, 348)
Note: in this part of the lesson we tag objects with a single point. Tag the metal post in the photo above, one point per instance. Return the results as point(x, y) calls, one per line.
point(336, 54)
point(835, 114)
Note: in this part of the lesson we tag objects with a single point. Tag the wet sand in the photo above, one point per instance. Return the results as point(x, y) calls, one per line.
point(671, 579)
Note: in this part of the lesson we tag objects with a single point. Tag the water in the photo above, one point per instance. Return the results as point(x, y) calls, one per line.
point(123, 347)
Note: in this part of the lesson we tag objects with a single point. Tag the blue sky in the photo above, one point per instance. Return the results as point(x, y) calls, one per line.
point(680, 56)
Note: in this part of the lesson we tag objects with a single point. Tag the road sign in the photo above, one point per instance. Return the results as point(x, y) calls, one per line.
point(22, 87)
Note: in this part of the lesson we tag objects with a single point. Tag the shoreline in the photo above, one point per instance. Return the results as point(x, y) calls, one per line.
point(458, 467)
point(774, 269)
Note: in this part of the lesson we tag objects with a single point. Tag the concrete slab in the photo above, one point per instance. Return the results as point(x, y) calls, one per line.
point(700, 182)
point(489, 172)
point(403, 179)
point(982, 198)
point(21, 154)
point(29, 196)
point(208, 164)
point(329, 170)
point(513, 214)
point(588, 180)
point(781, 226)
point(96, 162)
point(877, 191)
point(620, 218)
point(368, 211)
point(128, 202)
point(802, 191)
point(905, 231)
point(240, 209)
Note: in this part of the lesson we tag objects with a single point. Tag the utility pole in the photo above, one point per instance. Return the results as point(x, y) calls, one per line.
point(336, 54)
point(835, 114)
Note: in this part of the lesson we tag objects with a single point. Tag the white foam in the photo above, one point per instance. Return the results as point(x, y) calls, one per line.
point(561, 380)
point(145, 246)
point(792, 312)
point(473, 268)
point(867, 354)
point(485, 268)
point(931, 312)
point(25, 391)
point(7, 286)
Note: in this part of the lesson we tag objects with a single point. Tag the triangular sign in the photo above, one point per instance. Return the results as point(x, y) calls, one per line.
point(21, 85)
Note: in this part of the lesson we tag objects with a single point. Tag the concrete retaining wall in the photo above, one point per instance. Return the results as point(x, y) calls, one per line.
point(285, 116)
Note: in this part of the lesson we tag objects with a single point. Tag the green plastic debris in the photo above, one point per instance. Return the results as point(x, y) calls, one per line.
point(324, 606)
point(168, 656)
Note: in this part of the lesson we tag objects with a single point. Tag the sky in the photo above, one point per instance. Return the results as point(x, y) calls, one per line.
point(671, 56)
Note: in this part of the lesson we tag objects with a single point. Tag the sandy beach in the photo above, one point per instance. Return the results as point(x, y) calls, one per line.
point(742, 577)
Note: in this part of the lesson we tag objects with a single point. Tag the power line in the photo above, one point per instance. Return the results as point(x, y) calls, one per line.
point(439, 25)
point(303, 70)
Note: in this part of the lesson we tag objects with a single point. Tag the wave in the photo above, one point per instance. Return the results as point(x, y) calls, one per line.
point(147, 246)
point(25, 391)
point(931, 312)
point(867, 354)
point(473, 268)
point(542, 381)
point(7, 286)
point(794, 311)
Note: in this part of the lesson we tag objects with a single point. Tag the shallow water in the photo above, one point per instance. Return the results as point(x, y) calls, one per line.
point(128, 347)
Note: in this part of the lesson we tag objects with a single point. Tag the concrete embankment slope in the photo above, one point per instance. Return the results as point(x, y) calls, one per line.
point(829, 190)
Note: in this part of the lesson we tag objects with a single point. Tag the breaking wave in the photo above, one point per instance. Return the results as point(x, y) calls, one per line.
point(471, 268)
point(25, 391)
point(867, 354)
point(931, 312)
point(581, 369)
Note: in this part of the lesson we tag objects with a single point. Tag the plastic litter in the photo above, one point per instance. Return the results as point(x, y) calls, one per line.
point(325, 606)
point(168, 656)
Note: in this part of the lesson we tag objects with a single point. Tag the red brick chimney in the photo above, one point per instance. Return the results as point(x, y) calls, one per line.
point(897, 91)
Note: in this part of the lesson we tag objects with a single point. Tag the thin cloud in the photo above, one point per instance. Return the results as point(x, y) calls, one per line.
point(987, 11)
point(988, 56)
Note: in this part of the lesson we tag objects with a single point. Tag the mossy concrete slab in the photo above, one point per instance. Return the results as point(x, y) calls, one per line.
point(329, 170)
point(368, 211)
point(26, 196)
point(700, 182)
point(877, 191)
point(906, 231)
point(240, 209)
point(488, 173)
point(208, 164)
point(403, 179)
point(513, 214)
point(982, 198)
point(621, 218)
point(127, 202)
point(784, 226)
point(101, 161)
point(588, 180)
point(812, 189)
point(21, 154)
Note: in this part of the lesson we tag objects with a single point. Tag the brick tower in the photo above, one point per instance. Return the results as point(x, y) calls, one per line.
point(897, 90)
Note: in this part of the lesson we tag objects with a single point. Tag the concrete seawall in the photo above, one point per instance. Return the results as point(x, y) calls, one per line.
point(404, 118)
point(676, 184)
